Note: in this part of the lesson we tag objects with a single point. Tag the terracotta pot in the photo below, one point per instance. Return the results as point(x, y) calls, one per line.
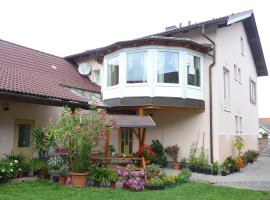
point(42, 174)
point(176, 166)
point(112, 184)
point(62, 180)
point(78, 179)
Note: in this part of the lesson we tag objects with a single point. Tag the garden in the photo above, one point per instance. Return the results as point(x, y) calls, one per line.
point(65, 161)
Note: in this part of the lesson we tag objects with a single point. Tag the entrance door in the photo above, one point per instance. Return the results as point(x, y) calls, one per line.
point(126, 141)
point(23, 139)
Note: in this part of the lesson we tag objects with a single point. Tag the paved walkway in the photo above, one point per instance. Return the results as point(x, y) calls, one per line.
point(254, 176)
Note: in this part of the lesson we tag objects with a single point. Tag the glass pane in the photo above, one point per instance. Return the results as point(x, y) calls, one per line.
point(113, 72)
point(97, 75)
point(168, 67)
point(24, 135)
point(193, 70)
point(126, 137)
point(130, 135)
point(130, 148)
point(136, 68)
point(122, 147)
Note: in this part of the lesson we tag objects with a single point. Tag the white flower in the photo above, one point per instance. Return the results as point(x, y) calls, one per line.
point(11, 163)
point(2, 170)
point(16, 161)
point(11, 170)
point(20, 169)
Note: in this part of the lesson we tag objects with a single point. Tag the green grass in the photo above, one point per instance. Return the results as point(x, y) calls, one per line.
point(41, 190)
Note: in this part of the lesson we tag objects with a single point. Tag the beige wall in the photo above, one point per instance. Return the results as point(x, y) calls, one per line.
point(40, 113)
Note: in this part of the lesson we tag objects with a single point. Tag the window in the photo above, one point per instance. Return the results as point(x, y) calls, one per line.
point(96, 76)
point(240, 125)
point(113, 71)
point(226, 87)
point(236, 124)
point(239, 75)
point(193, 70)
point(168, 67)
point(242, 46)
point(252, 88)
point(136, 67)
point(235, 72)
point(24, 135)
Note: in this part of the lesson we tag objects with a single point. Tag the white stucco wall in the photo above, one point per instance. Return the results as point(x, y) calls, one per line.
point(40, 113)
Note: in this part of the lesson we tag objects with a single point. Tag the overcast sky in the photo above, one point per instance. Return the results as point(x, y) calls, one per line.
point(64, 27)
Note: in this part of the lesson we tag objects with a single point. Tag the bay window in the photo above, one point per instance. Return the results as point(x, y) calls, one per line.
point(194, 70)
point(168, 67)
point(113, 72)
point(136, 67)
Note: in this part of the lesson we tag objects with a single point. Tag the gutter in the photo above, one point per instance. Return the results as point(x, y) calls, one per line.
point(11, 96)
point(213, 55)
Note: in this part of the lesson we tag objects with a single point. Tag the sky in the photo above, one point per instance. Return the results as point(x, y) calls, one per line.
point(65, 27)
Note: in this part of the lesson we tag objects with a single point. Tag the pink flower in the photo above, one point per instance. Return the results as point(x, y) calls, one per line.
point(125, 173)
point(68, 181)
point(103, 113)
point(114, 122)
point(119, 172)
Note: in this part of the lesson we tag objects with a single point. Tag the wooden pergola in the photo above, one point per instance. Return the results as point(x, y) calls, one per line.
point(138, 124)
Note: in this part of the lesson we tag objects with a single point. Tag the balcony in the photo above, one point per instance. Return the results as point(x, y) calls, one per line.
point(154, 76)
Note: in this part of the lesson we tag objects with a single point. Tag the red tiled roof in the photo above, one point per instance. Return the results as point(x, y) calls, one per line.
point(28, 71)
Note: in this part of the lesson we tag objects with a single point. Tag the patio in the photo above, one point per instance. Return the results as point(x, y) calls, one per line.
point(255, 176)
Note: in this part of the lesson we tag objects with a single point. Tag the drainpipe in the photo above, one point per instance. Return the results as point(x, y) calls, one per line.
point(213, 55)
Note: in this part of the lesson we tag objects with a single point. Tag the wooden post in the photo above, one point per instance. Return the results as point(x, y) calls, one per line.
point(107, 143)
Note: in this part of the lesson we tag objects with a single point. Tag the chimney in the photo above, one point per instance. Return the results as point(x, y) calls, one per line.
point(189, 22)
point(170, 28)
point(180, 25)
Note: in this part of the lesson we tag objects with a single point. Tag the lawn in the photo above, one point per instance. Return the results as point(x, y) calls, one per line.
point(40, 190)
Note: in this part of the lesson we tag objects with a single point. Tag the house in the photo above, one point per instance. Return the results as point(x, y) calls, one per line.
point(264, 126)
point(198, 83)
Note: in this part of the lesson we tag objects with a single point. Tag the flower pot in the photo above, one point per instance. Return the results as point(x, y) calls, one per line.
point(42, 174)
point(55, 179)
point(236, 169)
point(112, 184)
point(223, 173)
point(207, 171)
point(215, 173)
point(78, 179)
point(62, 180)
point(176, 166)
point(231, 169)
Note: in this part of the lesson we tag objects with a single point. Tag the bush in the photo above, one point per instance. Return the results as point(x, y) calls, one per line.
point(215, 167)
point(184, 175)
point(153, 171)
point(172, 151)
point(55, 162)
point(158, 149)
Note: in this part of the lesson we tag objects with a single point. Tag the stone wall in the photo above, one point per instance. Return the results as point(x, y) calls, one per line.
point(263, 145)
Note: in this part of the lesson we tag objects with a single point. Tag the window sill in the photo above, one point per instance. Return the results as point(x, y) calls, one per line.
point(194, 87)
point(112, 87)
point(136, 84)
point(168, 84)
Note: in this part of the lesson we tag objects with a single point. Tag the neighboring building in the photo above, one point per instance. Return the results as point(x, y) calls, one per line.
point(196, 82)
point(264, 126)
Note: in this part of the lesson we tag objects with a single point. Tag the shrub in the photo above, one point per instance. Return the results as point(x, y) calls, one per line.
point(239, 144)
point(158, 149)
point(153, 171)
point(184, 175)
point(192, 159)
point(55, 162)
point(63, 173)
point(215, 167)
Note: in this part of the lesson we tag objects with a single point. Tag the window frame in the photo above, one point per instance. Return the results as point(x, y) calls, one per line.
point(235, 68)
point(226, 93)
point(94, 75)
point(106, 81)
point(126, 66)
point(201, 68)
point(157, 65)
point(253, 99)
point(242, 46)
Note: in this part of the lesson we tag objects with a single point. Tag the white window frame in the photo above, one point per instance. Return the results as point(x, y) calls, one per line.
point(235, 68)
point(242, 46)
point(106, 72)
point(201, 70)
point(236, 122)
point(252, 91)
point(94, 76)
point(146, 62)
point(239, 74)
point(226, 89)
point(240, 126)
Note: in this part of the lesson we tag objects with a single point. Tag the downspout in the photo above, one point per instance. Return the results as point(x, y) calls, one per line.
point(213, 55)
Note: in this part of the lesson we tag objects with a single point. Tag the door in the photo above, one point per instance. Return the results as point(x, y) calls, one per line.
point(23, 139)
point(126, 141)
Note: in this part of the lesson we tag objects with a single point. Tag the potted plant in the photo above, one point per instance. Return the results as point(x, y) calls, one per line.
point(113, 177)
point(172, 151)
point(215, 168)
point(192, 159)
point(63, 174)
point(79, 132)
point(250, 156)
point(55, 162)
point(159, 158)
point(101, 177)
point(224, 171)
point(43, 141)
point(230, 163)
point(184, 163)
